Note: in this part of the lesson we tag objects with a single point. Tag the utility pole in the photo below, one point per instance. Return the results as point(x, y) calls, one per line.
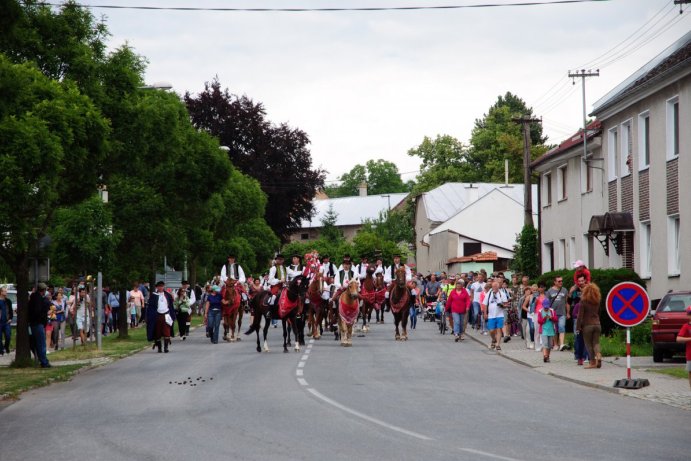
point(583, 74)
point(525, 121)
point(680, 3)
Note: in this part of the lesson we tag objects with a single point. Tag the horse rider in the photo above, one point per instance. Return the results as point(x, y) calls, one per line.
point(278, 272)
point(328, 269)
point(378, 264)
point(390, 274)
point(361, 268)
point(233, 269)
point(296, 268)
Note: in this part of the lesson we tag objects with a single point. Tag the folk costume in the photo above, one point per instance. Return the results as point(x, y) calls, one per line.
point(232, 270)
point(160, 316)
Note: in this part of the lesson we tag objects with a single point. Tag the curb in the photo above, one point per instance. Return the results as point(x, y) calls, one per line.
point(555, 375)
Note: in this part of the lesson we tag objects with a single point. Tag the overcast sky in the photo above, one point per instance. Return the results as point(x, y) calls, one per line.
point(369, 85)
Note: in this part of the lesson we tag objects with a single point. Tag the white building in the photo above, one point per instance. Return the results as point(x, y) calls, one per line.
point(457, 222)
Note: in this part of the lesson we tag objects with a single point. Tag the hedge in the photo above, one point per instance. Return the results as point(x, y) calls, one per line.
point(604, 278)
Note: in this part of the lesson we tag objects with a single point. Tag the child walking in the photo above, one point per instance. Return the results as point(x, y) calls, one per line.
point(132, 309)
point(545, 318)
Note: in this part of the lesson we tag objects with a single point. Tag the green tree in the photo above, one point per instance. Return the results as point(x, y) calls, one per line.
point(329, 231)
point(526, 259)
point(496, 137)
point(381, 177)
point(444, 159)
point(83, 238)
point(54, 142)
point(394, 226)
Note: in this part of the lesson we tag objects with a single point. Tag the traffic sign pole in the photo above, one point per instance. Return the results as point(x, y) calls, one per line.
point(628, 353)
point(628, 305)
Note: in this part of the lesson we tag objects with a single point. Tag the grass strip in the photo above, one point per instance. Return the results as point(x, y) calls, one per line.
point(14, 381)
point(676, 372)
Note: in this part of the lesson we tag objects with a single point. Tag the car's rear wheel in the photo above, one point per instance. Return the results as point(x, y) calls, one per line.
point(658, 355)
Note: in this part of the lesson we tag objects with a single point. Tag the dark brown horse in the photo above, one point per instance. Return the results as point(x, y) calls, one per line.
point(368, 294)
point(399, 299)
point(317, 307)
point(283, 305)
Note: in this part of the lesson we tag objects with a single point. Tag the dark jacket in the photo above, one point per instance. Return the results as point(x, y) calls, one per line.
point(38, 309)
point(588, 314)
point(151, 313)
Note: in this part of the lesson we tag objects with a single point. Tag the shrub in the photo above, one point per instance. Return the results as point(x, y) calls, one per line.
point(605, 279)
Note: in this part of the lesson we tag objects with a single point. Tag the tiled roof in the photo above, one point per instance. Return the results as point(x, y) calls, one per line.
point(478, 257)
point(593, 129)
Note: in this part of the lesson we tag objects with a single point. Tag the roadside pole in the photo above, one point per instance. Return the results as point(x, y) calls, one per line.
point(99, 309)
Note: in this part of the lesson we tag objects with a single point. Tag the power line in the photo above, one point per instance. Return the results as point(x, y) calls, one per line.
point(304, 10)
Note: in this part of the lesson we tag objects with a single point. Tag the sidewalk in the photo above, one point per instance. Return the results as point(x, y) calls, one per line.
point(663, 389)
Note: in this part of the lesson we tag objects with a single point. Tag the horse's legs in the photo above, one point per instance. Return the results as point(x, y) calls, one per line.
point(285, 335)
point(293, 320)
point(404, 322)
point(343, 331)
point(233, 320)
point(397, 320)
point(241, 312)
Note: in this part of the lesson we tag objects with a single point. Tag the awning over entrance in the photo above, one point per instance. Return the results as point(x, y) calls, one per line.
point(609, 227)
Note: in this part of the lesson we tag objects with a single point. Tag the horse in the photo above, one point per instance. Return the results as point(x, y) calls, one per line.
point(368, 293)
point(380, 297)
point(231, 298)
point(348, 308)
point(316, 309)
point(399, 300)
point(284, 305)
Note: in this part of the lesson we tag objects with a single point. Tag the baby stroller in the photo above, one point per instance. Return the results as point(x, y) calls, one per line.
point(429, 312)
point(440, 315)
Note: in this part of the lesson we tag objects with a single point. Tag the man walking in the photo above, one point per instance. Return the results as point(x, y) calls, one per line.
point(557, 296)
point(38, 318)
point(493, 306)
point(160, 316)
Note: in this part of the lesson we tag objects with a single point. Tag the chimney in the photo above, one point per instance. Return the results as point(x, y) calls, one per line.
point(362, 189)
point(473, 193)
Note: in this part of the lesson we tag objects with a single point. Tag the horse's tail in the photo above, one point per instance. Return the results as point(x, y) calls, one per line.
point(254, 306)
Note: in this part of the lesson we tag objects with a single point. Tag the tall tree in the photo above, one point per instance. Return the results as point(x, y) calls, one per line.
point(275, 155)
point(381, 176)
point(444, 159)
point(54, 141)
point(496, 138)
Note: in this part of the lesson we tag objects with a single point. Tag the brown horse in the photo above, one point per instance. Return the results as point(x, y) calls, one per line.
point(315, 307)
point(399, 299)
point(231, 298)
point(368, 293)
point(348, 308)
point(380, 298)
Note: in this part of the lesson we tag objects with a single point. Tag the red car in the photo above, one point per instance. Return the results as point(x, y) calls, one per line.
point(669, 316)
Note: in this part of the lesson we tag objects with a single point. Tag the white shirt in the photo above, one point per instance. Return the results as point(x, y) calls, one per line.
point(476, 288)
point(326, 290)
point(325, 268)
point(162, 303)
point(238, 273)
point(390, 273)
point(491, 300)
point(361, 270)
point(275, 274)
point(293, 271)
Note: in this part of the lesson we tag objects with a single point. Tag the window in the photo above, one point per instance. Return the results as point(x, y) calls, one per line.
point(547, 188)
point(561, 183)
point(626, 156)
point(586, 177)
point(562, 253)
point(304, 236)
point(673, 127)
point(673, 254)
point(646, 250)
point(612, 149)
point(572, 252)
point(471, 248)
point(589, 249)
point(643, 140)
point(548, 259)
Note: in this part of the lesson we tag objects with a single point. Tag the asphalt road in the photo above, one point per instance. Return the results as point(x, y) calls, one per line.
point(427, 398)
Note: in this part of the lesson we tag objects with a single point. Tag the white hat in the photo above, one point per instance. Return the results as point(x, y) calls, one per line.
point(578, 264)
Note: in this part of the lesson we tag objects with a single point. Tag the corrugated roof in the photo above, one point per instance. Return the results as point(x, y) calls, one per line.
point(679, 53)
point(593, 129)
point(352, 210)
point(448, 199)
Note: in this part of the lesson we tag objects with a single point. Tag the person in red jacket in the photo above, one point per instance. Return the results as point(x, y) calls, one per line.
point(458, 303)
point(580, 270)
point(684, 336)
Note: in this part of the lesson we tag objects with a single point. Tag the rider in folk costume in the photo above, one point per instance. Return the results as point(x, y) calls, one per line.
point(346, 273)
point(328, 268)
point(232, 269)
point(361, 268)
point(390, 274)
point(160, 315)
point(312, 265)
point(278, 272)
point(295, 268)
point(378, 264)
